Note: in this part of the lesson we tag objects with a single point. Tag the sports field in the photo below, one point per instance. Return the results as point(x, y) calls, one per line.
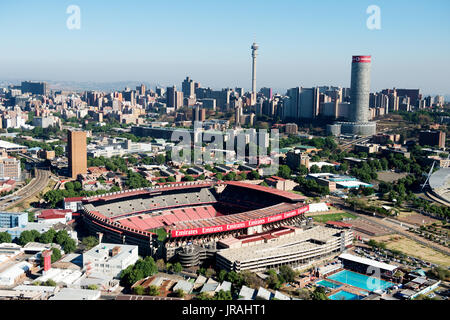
point(333, 217)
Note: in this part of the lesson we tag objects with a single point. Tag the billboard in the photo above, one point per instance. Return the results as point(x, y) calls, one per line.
point(238, 225)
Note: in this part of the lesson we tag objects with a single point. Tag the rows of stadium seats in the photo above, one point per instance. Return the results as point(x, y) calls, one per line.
point(169, 217)
point(114, 209)
point(239, 217)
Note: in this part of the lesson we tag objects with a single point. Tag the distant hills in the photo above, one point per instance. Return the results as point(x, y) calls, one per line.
point(85, 85)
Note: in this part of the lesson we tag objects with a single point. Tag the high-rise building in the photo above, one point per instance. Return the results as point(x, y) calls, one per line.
point(222, 97)
point(188, 88)
point(160, 91)
point(174, 98)
point(413, 94)
point(303, 103)
point(360, 89)
point(432, 138)
point(129, 95)
point(359, 115)
point(239, 91)
point(34, 87)
point(141, 89)
point(77, 153)
point(267, 92)
point(237, 116)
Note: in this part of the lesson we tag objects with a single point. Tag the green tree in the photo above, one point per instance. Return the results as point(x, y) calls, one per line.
point(5, 237)
point(272, 280)
point(230, 176)
point(177, 268)
point(50, 283)
point(69, 186)
point(56, 255)
point(30, 216)
point(203, 296)
point(284, 172)
point(139, 290)
point(303, 170)
point(187, 178)
point(232, 277)
point(89, 242)
point(153, 290)
point(92, 287)
point(61, 236)
point(179, 293)
point(319, 294)
point(26, 237)
point(253, 175)
point(160, 159)
point(287, 273)
point(69, 245)
point(314, 169)
point(222, 275)
point(47, 237)
point(223, 295)
point(219, 176)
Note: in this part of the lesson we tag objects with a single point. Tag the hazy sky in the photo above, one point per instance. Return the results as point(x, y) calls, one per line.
point(302, 43)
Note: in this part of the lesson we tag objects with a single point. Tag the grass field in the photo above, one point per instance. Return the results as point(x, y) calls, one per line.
point(388, 176)
point(414, 249)
point(333, 217)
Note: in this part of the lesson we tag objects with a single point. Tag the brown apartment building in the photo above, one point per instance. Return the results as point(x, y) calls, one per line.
point(77, 153)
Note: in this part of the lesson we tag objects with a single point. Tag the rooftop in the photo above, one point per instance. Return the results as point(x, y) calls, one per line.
point(283, 246)
point(369, 262)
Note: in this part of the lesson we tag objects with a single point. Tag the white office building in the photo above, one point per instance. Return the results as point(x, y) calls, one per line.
point(109, 259)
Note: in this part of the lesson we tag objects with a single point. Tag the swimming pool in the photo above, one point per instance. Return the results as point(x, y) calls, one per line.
point(344, 295)
point(328, 284)
point(360, 280)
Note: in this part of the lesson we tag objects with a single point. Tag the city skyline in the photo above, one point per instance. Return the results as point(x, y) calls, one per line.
point(295, 48)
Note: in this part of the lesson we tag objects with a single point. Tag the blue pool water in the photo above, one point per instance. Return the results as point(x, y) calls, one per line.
point(344, 295)
point(360, 281)
point(328, 284)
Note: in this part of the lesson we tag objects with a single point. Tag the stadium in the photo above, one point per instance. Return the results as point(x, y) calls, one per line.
point(440, 186)
point(191, 221)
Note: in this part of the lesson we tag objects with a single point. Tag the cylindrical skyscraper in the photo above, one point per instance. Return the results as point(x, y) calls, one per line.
point(360, 89)
point(254, 48)
point(359, 118)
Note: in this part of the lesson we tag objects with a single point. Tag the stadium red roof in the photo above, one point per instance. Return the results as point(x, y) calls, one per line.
point(53, 214)
point(75, 199)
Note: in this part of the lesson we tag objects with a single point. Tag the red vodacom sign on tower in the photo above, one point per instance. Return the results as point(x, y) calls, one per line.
point(362, 59)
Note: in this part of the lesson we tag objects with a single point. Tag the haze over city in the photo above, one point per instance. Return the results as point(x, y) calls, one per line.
point(302, 43)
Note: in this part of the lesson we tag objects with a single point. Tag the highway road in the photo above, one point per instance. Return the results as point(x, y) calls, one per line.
point(36, 185)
